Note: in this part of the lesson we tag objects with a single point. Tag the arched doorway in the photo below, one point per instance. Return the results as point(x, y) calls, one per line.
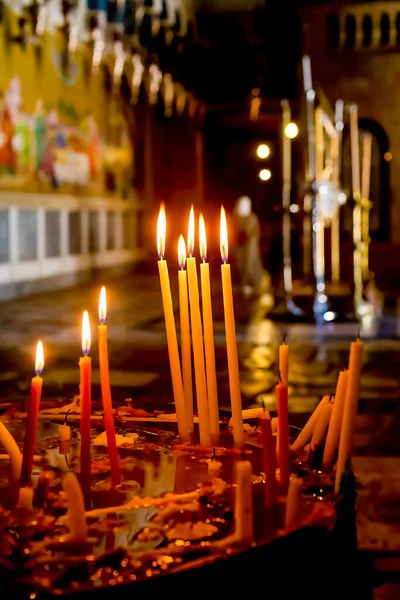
point(380, 181)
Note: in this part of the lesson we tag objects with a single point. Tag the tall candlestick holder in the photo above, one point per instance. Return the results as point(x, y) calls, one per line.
point(320, 306)
point(286, 226)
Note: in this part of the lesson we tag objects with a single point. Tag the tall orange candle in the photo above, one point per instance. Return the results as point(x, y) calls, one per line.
point(197, 339)
point(230, 334)
point(106, 390)
point(208, 335)
point(186, 350)
point(170, 329)
point(85, 364)
point(283, 436)
point(32, 419)
point(268, 457)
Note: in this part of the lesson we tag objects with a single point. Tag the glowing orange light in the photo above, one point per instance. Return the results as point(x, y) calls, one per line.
point(39, 362)
point(190, 240)
point(102, 305)
point(181, 252)
point(161, 232)
point(223, 236)
point(203, 239)
point(86, 337)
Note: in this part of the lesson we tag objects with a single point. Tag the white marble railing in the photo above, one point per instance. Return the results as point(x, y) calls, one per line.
point(372, 25)
point(53, 236)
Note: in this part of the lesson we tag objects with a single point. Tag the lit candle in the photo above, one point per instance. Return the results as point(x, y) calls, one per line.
point(208, 334)
point(350, 410)
point(335, 425)
point(106, 390)
point(321, 425)
point(268, 458)
point(243, 511)
point(85, 364)
point(172, 342)
point(32, 419)
point(186, 350)
point(197, 339)
point(14, 453)
point(75, 508)
point(283, 436)
point(308, 429)
point(230, 333)
point(284, 362)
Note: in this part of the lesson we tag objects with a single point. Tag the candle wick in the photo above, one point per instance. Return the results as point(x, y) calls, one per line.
point(66, 416)
point(279, 375)
point(284, 338)
point(214, 453)
point(358, 335)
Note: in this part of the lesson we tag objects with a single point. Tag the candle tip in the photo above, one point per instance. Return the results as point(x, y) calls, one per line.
point(181, 252)
point(223, 236)
point(86, 337)
point(190, 238)
point(39, 362)
point(102, 305)
point(202, 238)
point(161, 232)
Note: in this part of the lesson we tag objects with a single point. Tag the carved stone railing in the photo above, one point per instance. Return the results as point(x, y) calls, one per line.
point(57, 237)
point(363, 26)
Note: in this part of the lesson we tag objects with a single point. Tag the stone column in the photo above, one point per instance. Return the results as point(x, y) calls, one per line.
point(392, 28)
point(359, 33)
point(376, 28)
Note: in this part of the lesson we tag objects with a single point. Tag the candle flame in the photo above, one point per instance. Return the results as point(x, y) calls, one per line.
point(161, 232)
point(102, 305)
point(190, 240)
point(86, 338)
point(223, 236)
point(181, 252)
point(39, 362)
point(203, 238)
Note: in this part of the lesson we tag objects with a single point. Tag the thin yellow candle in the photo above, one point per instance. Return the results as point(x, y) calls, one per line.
point(308, 429)
point(243, 502)
point(186, 350)
point(335, 425)
point(350, 410)
point(284, 362)
point(197, 339)
point(75, 508)
point(230, 333)
point(170, 329)
point(12, 449)
point(208, 335)
point(321, 425)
